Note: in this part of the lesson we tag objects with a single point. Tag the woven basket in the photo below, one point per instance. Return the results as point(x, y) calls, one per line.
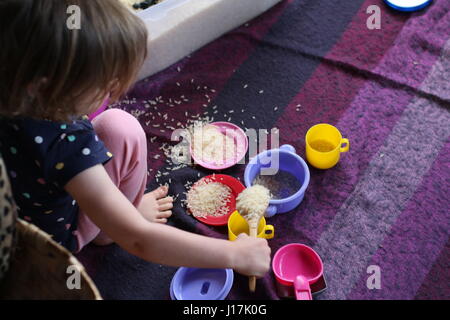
point(39, 269)
point(8, 215)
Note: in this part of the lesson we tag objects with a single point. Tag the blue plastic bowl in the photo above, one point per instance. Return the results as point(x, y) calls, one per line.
point(288, 161)
point(201, 284)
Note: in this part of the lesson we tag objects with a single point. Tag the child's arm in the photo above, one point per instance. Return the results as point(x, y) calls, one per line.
point(114, 214)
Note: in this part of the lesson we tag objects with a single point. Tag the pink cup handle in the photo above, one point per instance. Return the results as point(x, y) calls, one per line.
point(302, 288)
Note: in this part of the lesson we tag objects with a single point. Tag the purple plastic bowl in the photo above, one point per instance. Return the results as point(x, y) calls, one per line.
point(289, 161)
point(201, 284)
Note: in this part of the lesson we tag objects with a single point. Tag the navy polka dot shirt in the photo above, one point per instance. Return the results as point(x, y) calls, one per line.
point(41, 157)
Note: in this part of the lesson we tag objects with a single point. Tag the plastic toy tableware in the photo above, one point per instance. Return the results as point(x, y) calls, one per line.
point(408, 5)
point(298, 265)
point(237, 225)
point(240, 142)
point(201, 284)
point(288, 291)
point(324, 145)
point(284, 158)
point(236, 187)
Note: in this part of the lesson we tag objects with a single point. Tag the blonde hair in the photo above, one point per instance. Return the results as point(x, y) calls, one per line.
point(68, 70)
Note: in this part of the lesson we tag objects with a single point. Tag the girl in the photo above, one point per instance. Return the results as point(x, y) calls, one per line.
point(84, 182)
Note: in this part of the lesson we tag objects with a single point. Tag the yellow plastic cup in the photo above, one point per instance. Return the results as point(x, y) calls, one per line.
point(237, 225)
point(324, 145)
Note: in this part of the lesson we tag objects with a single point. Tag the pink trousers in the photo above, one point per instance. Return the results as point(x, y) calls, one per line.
point(125, 138)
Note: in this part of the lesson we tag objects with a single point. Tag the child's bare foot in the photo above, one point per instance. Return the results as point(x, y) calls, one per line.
point(156, 206)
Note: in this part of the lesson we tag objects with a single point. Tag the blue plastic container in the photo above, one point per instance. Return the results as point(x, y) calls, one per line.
point(288, 161)
point(201, 284)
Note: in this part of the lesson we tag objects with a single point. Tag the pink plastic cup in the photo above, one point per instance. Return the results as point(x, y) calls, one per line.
point(299, 266)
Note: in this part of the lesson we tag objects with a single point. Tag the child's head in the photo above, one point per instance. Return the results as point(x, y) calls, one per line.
point(48, 70)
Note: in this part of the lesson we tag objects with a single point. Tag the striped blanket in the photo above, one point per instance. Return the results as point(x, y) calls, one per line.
point(306, 62)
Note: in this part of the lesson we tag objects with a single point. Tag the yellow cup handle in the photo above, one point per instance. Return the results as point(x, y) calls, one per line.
point(347, 145)
point(270, 228)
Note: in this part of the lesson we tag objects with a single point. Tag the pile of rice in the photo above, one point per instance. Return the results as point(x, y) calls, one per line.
point(208, 198)
point(252, 203)
point(210, 145)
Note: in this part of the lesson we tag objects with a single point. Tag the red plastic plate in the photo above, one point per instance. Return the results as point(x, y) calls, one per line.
point(236, 187)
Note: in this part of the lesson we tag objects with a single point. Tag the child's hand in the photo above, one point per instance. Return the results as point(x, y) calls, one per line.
point(252, 256)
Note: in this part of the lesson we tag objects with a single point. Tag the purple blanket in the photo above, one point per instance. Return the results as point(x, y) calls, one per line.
point(301, 63)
